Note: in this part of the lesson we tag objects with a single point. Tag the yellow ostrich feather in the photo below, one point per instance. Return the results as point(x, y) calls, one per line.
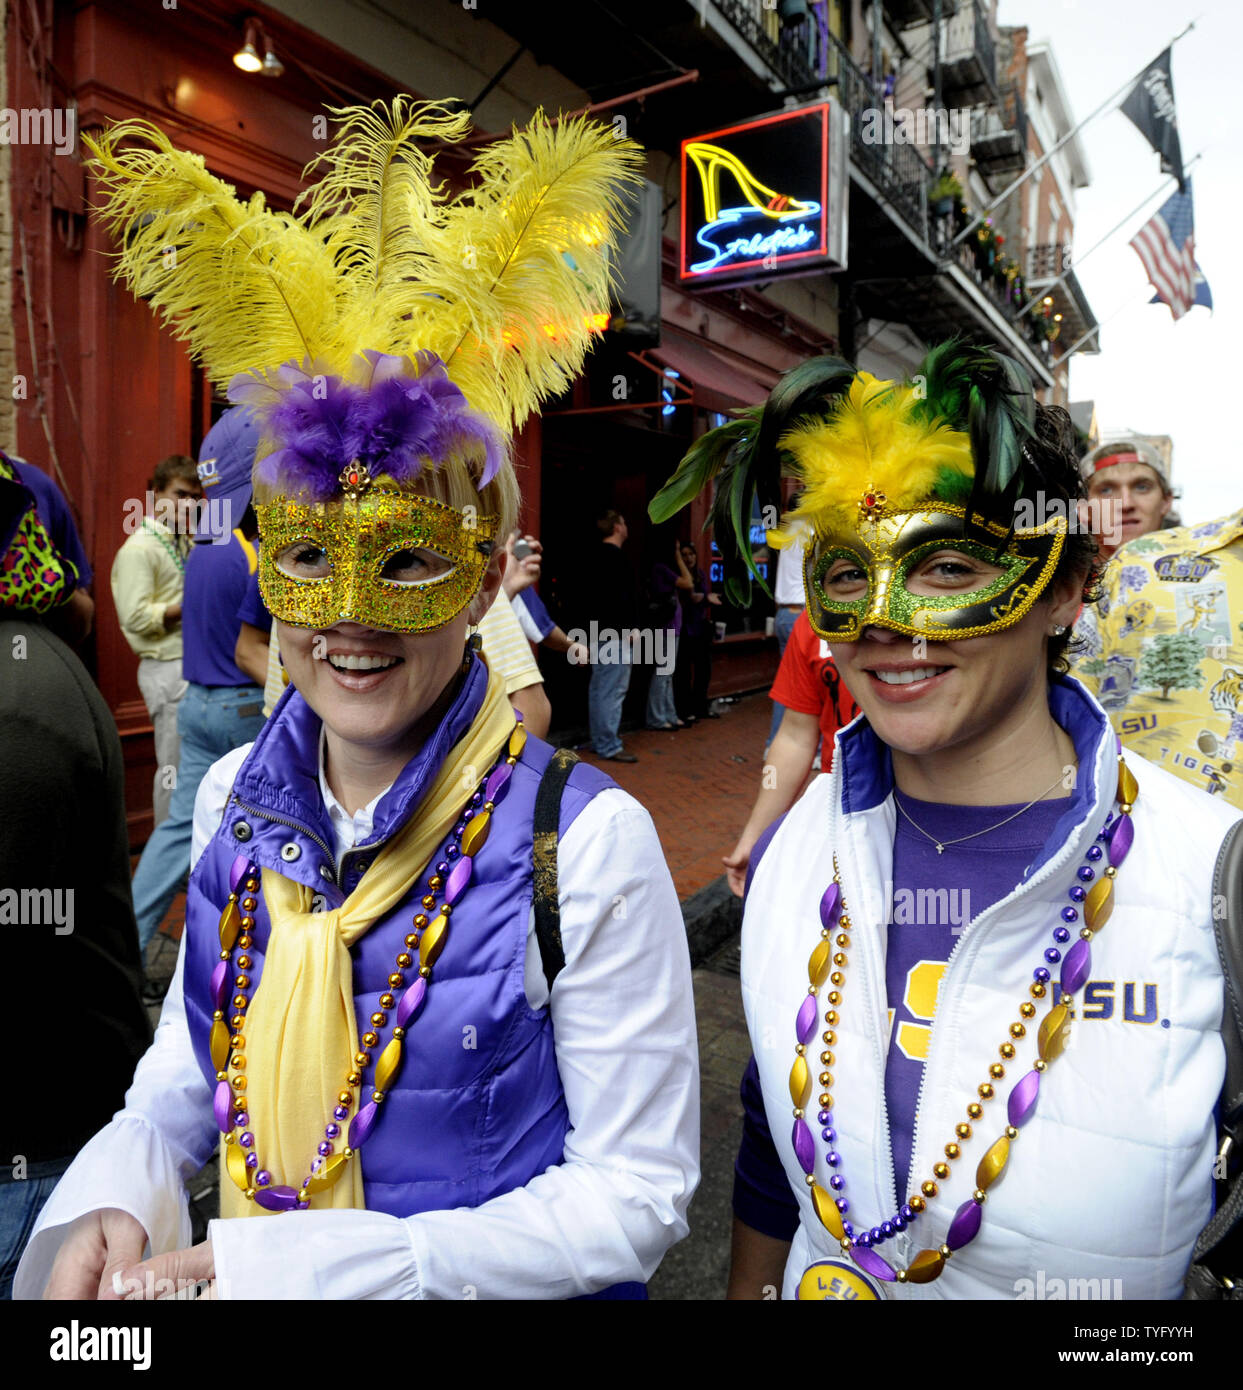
point(230, 277)
point(502, 282)
point(522, 263)
point(871, 442)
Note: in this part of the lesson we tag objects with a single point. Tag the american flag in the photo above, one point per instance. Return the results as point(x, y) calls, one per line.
point(1166, 244)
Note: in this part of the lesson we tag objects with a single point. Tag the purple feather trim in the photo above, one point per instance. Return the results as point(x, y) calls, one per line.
point(400, 413)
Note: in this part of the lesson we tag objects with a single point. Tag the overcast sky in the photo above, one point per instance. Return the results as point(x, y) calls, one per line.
point(1183, 379)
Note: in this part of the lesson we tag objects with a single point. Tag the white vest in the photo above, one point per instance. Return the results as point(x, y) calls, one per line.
point(1111, 1179)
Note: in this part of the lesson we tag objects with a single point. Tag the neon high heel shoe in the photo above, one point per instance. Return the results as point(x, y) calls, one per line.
point(710, 160)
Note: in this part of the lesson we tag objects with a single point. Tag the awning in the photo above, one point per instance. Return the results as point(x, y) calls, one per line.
point(716, 382)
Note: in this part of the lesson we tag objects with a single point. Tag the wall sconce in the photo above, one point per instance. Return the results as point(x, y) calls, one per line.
point(255, 41)
point(247, 57)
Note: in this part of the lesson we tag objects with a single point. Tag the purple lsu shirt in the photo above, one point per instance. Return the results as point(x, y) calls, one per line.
point(934, 897)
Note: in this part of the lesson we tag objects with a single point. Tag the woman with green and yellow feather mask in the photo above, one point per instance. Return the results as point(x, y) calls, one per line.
point(928, 911)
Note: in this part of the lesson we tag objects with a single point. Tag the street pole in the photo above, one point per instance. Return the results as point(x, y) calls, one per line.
point(1044, 159)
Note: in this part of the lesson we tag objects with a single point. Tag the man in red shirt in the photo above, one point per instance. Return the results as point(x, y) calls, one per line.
point(817, 704)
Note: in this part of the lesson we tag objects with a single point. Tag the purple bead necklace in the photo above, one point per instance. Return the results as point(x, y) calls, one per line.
point(447, 883)
point(831, 1205)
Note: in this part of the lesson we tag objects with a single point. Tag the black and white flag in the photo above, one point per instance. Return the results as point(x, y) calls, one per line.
point(1151, 106)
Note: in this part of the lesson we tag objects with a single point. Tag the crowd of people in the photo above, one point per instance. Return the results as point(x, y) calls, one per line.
point(433, 999)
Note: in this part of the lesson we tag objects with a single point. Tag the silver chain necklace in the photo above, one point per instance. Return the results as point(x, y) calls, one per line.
point(940, 844)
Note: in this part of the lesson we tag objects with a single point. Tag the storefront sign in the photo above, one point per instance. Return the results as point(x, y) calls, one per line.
point(765, 198)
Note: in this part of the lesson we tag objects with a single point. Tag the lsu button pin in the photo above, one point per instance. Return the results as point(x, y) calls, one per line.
point(834, 1281)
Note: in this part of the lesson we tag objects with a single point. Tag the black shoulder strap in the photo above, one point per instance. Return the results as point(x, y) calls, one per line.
point(1228, 928)
point(544, 858)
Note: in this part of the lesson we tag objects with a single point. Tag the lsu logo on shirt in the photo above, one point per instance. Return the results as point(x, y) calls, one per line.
point(1134, 1002)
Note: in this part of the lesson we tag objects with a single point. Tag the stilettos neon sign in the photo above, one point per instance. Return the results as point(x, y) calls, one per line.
point(736, 226)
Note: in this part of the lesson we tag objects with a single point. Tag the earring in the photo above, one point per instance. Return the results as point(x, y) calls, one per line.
point(1058, 629)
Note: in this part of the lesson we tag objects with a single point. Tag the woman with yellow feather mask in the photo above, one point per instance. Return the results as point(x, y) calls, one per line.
point(446, 1059)
point(978, 871)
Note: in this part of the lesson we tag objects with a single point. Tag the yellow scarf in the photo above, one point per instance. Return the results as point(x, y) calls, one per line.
point(300, 1030)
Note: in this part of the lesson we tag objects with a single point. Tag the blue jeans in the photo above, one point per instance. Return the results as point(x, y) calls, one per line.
point(21, 1201)
point(211, 720)
point(784, 625)
point(605, 697)
point(661, 710)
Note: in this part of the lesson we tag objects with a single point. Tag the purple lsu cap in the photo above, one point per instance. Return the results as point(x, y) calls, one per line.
point(226, 460)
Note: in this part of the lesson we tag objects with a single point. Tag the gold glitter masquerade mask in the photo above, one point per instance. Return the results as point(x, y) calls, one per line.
point(378, 556)
point(860, 576)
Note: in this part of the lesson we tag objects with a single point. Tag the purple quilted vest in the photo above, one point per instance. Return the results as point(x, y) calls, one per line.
point(477, 1107)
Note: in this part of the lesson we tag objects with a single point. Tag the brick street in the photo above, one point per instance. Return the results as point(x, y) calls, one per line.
point(698, 785)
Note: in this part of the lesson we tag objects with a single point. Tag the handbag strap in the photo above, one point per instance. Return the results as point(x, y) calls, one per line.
point(547, 825)
point(1228, 929)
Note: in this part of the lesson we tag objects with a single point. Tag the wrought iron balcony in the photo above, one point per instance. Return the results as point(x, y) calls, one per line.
point(968, 58)
point(789, 50)
point(899, 172)
point(999, 137)
point(1048, 261)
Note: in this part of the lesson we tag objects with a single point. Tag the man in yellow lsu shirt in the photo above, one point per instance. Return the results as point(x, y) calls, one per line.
point(1163, 651)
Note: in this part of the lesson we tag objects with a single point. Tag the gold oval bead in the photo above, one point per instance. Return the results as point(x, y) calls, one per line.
point(386, 1067)
point(433, 940)
point(818, 964)
point(1128, 787)
point(992, 1165)
point(517, 741)
point(333, 1167)
point(235, 1163)
point(826, 1210)
point(925, 1267)
point(230, 923)
point(1054, 1031)
point(1099, 904)
point(800, 1082)
point(219, 1044)
point(476, 833)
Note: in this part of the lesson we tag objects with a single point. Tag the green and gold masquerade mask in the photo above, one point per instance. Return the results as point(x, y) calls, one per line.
point(892, 474)
point(859, 578)
point(377, 556)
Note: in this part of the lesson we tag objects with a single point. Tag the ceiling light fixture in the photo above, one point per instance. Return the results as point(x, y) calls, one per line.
point(247, 57)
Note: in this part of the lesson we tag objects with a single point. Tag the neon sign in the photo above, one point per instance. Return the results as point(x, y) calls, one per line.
point(764, 198)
